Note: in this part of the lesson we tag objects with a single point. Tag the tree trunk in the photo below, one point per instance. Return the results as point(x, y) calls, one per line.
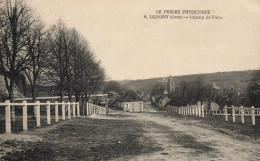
point(33, 87)
point(34, 93)
point(11, 98)
point(83, 104)
point(77, 96)
point(61, 94)
point(69, 95)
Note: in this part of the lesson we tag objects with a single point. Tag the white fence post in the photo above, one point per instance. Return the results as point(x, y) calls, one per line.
point(78, 111)
point(38, 114)
point(83, 108)
point(253, 115)
point(63, 110)
point(225, 111)
point(202, 110)
point(69, 113)
point(48, 113)
point(8, 117)
point(242, 115)
point(56, 111)
point(25, 118)
point(199, 110)
point(87, 109)
point(73, 110)
point(233, 114)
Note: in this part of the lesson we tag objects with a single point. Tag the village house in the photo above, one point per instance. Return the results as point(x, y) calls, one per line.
point(160, 97)
point(112, 98)
point(131, 102)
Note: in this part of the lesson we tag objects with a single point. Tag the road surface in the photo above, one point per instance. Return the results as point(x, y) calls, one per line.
point(191, 140)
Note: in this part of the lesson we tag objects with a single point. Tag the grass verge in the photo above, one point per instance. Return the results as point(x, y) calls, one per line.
point(87, 139)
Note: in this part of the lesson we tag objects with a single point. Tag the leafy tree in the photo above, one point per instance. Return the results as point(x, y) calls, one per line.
point(191, 92)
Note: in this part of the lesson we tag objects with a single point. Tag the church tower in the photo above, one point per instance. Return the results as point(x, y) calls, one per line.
point(170, 85)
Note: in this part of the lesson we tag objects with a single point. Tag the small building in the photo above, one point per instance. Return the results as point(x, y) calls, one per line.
point(162, 102)
point(211, 106)
point(131, 102)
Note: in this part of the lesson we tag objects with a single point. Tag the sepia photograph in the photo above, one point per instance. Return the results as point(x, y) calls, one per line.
point(129, 80)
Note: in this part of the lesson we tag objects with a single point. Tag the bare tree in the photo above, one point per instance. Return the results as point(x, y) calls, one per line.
point(72, 65)
point(58, 65)
point(15, 21)
point(94, 80)
point(37, 50)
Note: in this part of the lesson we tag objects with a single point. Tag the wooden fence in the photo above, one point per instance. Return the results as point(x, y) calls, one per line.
point(65, 108)
point(200, 112)
point(189, 110)
point(242, 111)
point(37, 107)
point(95, 109)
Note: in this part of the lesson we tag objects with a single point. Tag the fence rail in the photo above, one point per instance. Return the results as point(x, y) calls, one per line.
point(189, 110)
point(200, 112)
point(37, 108)
point(242, 111)
point(95, 109)
point(72, 109)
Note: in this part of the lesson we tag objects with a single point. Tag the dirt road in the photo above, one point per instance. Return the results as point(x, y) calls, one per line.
point(192, 141)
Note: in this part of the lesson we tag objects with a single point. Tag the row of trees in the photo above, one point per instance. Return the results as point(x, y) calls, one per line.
point(191, 92)
point(57, 55)
point(200, 90)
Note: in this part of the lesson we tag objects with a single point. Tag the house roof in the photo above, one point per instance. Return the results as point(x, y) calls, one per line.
point(131, 96)
point(165, 92)
point(112, 92)
point(113, 100)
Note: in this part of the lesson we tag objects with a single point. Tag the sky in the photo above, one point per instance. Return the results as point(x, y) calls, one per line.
point(133, 47)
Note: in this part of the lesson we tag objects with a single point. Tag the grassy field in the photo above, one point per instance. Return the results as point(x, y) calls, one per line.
point(217, 122)
point(17, 126)
point(85, 139)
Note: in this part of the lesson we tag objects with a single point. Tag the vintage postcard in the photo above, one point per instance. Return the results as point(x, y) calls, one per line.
point(130, 80)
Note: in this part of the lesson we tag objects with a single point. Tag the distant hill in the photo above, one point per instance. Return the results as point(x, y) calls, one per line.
point(236, 79)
